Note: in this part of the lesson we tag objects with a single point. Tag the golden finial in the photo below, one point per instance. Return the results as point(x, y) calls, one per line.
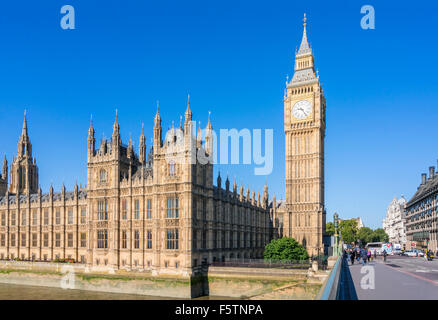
point(305, 20)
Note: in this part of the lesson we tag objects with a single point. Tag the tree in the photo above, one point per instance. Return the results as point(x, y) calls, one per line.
point(365, 235)
point(348, 229)
point(285, 249)
point(330, 229)
point(379, 235)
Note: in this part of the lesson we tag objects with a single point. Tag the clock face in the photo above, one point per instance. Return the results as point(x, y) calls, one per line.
point(302, 109)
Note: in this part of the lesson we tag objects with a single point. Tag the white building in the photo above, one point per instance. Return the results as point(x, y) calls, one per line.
point(394, 223)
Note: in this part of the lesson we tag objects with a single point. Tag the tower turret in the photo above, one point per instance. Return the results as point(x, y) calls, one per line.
point(24, 171)
point(142, 146)
point(91, 140)
point(157, 129)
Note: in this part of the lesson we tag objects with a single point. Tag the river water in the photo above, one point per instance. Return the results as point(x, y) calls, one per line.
point(21, 292)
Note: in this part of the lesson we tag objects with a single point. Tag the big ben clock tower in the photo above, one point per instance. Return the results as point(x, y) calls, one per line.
point(304, 126)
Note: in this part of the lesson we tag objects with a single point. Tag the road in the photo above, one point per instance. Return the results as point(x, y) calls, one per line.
point(400, 278)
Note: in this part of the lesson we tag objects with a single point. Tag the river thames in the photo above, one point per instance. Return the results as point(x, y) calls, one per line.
point(21, 292)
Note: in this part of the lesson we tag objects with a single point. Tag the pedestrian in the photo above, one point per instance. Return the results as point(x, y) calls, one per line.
point(369, 255)
point(384, 255)
point(375, 254)
point(364, 256)
point(352, 257)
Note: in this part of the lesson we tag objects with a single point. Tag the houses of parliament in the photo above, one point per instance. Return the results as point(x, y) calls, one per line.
point(148, 211)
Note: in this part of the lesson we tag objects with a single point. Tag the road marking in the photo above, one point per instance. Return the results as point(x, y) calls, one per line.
point(413, 275)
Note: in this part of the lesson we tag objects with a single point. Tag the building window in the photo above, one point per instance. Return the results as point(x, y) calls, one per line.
point(124, 240)
point(102, 176)
point(46, 217)
point(136, 239)
point(23, 239)
point(46, 240)
point(83, 240)
point(204, 239)
point(3, 219)
point(3, 240)
point(149, 239)
point(195, 239)
point(149, 209)
point(23, 218)
point(83, 216)
point(58, 240)
point(58, 217)
point(172, 239)
point(172, 169)
point(102, 210)
point(70, 240)
point(34, 240)
point(70, 216)
point(12, 240)
point(136, 209)
point(172, 207)
point(124, 209)
point(102, 239)
point(35, 218)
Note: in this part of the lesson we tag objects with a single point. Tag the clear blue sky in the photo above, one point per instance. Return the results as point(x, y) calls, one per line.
point(233, 58)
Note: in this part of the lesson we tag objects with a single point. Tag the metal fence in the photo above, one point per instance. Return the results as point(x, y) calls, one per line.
point(261, 263)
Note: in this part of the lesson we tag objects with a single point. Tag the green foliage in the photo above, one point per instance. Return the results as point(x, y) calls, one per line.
point(285, 249)
point(365, 235)
point(379, 235)
point(330, 229)
point(348, 230)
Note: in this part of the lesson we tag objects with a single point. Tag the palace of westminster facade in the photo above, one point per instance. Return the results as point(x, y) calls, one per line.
point(160, 210)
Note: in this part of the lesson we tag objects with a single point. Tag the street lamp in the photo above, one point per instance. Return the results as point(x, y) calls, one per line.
point(336, 245)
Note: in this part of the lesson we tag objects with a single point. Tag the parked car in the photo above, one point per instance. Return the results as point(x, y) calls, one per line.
point(413, 253)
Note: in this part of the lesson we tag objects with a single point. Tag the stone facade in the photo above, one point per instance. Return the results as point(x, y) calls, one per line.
point(422, 214)
point(394, 222)
point(303, 215)
point(156, 211)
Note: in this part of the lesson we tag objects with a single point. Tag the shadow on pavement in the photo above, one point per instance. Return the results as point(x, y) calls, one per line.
point(347, 290)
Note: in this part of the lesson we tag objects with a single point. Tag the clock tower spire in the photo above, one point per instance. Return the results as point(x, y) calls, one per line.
point(304, 126)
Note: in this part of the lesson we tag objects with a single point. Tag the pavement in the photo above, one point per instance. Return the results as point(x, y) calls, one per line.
point(400, 278)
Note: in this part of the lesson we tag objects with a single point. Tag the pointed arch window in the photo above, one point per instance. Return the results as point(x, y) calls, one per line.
point(102, 176)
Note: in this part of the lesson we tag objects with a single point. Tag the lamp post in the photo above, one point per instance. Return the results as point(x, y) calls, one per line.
point(336, 245)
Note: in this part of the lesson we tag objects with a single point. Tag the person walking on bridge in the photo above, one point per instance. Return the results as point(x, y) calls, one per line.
point(384, 255)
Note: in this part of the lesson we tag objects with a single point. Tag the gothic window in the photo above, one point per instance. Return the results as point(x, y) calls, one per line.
point(3, 240)
point(149, 239)
point(23, 218)
point(172, 239)
point(58, 216)
point(34, 240)
point(3, 219)
point(124, 240)
point(149, 209)
point(124, 209)
point(102, 176)
point(102, 239)
point(12, 240)
point(35, 218)
point(70, 240)
point(102, 210)
point(70, 216)
point(46, 217)
point(23, 239)
point(172, 207)
point(83, 240)
point(195, 239)
point(46, 240)
point(136, 239)
point(204, 239)
point(83, 216)
point(172, 169)
point(136, 209)
point(58, 240)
